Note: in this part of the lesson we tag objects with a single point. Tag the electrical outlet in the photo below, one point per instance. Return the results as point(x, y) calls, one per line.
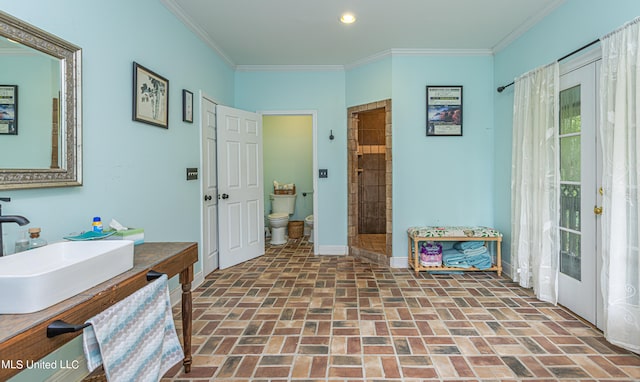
point(323, 173)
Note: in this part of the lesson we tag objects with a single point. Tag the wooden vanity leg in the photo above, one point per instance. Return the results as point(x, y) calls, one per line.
point(186, 277)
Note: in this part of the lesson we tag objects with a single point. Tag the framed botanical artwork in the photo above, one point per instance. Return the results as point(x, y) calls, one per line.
point(9, 109)
point(150, 97)
point(187, 106)
point(444, 110)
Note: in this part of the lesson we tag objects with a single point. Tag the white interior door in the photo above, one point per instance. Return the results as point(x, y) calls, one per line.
point(240, 186)
point(578, 281)
point(209, 187)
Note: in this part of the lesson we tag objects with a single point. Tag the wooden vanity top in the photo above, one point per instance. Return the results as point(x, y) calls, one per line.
point(23, 336)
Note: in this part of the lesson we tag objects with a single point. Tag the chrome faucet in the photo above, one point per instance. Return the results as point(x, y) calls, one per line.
point(20, 220)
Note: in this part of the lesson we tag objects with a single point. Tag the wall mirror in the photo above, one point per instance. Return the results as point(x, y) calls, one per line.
point(40, 108)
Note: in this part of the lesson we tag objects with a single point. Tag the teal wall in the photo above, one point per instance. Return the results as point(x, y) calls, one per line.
point(369, 83)
point(572, 25)
point(323, 92)
point(288, 158)
point(133, 172)
point(441, 180)
point(34, 76)
point(136, 172)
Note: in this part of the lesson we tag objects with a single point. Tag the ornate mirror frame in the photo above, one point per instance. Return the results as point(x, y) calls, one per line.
point(70, 173)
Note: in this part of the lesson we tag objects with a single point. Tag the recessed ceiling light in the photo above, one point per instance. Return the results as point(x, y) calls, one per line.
point(347, 18)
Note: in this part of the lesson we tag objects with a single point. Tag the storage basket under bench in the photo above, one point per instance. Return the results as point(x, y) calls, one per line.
point(457, 234)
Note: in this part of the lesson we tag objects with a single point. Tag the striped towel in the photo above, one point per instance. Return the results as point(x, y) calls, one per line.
point(135, 339)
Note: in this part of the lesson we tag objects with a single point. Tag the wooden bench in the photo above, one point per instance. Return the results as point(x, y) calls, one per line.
point(440, 234)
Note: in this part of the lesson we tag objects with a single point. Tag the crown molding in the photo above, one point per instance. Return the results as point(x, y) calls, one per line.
point(523, 28)
point(368, 60)
point(418, 52)
point(195, 28)
point(177, 10)
point(441, 52)
point(289, 68)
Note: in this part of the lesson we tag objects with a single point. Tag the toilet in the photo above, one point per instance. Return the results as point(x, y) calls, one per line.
point(309, 222)
point(281, 207)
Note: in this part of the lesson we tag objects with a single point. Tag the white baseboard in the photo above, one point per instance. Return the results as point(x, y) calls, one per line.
point(506, 270)
point(198, 279)
point(399, 262)
point(333, 250)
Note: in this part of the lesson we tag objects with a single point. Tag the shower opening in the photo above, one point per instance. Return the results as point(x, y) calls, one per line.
point(369, 157)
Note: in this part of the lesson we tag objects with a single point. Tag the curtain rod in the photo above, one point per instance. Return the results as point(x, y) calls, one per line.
point(501, 88)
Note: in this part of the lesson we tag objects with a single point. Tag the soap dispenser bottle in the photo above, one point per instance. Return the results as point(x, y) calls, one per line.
point(36, 241)
point(22, 244)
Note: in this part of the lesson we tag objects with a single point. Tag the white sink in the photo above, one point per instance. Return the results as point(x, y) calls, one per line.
point(36, 279)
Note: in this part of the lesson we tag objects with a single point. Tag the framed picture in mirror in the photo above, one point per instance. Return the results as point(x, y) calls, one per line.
point(9, 109)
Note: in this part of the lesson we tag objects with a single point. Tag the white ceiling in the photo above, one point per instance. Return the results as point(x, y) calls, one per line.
point(308, 32)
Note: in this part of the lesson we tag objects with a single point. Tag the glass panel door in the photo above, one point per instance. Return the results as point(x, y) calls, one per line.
point(570, 186)
point(577, 281)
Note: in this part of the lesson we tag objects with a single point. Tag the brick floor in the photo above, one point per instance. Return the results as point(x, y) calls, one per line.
point(292, 316)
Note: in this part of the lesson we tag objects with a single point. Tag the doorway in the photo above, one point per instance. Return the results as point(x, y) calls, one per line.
point(580, 166)
point(369, 181)
point(290, 156)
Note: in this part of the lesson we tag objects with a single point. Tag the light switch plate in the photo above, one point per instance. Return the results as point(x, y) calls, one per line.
point(323, 173)
point(192, 173)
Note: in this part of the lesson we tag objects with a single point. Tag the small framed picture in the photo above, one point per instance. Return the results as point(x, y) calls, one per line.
point(444, 110)
point(150, 97)
point(9, 109)
point(187, 106)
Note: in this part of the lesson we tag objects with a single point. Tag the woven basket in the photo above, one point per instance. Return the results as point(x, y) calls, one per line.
point(296, 227)
point(285, 192)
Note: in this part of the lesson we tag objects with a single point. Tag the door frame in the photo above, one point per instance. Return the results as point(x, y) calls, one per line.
point(314, 132)
point(201, 97)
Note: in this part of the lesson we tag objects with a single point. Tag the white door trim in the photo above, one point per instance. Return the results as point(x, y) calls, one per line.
point(314, 119)
point(198, 278)
point(209, 186)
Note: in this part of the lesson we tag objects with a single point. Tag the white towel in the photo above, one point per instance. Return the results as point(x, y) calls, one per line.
point(135, 339)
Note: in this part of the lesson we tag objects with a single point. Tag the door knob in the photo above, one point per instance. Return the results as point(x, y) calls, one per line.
point(597, 210)
point(224, 196)
point(207, 197)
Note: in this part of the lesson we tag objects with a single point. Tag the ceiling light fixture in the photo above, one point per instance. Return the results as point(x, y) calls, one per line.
point(347, 18)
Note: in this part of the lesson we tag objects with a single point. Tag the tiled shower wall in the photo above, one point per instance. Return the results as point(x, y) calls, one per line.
point(371, 172)
point(354, 147)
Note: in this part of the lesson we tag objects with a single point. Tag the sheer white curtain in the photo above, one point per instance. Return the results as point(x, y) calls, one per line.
point(619, 84)
point(535, 182)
